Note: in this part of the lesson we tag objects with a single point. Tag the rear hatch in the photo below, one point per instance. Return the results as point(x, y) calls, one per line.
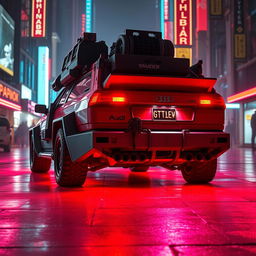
point(187, 104)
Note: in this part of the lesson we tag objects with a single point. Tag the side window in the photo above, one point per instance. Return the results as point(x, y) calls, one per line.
point(64, 97)
point(82, 87)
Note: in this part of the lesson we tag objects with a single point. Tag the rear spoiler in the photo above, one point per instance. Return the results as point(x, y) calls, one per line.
point(142, 82)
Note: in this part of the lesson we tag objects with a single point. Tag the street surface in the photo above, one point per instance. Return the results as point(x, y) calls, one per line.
point(118, 212)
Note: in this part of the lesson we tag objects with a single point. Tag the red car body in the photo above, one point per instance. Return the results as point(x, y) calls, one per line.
point(133, 120)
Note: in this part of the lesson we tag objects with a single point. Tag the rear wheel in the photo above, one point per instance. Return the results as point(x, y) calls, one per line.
point(139, 168)
point(197, 172)
point(38, 164)
point(67, 173)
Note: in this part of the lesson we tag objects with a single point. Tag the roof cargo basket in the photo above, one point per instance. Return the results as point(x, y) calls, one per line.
point(139, 42)
point(145, 52)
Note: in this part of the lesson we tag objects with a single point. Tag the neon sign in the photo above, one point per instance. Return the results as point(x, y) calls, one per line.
point(8, 93)
point(88, 15)
point(183, 22)
point(38, 18)
point(10, 105)
point(43, 75)
point(242, 95)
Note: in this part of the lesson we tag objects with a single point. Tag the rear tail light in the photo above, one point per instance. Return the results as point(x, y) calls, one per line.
point(107, 98)
point(214, 101)
point(205, 102)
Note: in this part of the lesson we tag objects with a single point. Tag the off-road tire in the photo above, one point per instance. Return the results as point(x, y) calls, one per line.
point(139, 168)
point(67, 173)
point(199, 172)
point(38, 164)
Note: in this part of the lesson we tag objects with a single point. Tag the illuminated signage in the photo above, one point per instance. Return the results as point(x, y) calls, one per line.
point(239, 31)
point(242, 95)
point(29, 106)
point(216, 7)
point(26, 93)
point(7, 28)
point(38, 18)
point(168, 19)
point(184, 53)
point(88, 15)
point(183, 22)
point(43, 75)
point(9, 97)
point(83, 23)
point(8, 93)
point(233, 105)
point(201, 15)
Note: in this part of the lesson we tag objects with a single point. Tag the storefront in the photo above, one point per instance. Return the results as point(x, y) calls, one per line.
point(28, 114)
point(247, 101)
point(9, 103)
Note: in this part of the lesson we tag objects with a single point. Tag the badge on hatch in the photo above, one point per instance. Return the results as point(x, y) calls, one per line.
point(164, 114)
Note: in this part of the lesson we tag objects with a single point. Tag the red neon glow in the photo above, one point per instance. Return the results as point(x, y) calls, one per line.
point(242, 95)
point(166, 9)
point(144, 82)
point(83, 21)
point(201, 15)
point(183, 22)
point(9, 104)
point(38, 18)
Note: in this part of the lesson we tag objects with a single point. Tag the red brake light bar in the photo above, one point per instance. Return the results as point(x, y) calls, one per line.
point(116, 81)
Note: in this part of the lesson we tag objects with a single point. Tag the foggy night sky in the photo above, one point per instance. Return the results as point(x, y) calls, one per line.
point(112, 17)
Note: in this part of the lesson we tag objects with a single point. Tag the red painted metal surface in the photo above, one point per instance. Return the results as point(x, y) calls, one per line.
point(158, 82)
point(118, 212)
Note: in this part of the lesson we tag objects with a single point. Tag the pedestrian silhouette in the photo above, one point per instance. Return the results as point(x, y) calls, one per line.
point(253, 126)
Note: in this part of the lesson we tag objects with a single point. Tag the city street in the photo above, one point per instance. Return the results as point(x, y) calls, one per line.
point(118, 212)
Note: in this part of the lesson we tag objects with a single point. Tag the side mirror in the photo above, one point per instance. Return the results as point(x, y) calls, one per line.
point(41, 109)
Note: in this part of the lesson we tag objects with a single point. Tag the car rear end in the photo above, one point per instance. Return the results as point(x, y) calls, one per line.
point(155, 126)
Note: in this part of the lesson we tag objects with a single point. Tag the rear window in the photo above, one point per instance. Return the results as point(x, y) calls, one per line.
point(4, 122)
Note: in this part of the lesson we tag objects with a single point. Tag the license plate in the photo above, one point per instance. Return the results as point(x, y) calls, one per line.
point(164, 114)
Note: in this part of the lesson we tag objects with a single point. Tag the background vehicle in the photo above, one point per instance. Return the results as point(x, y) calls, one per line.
point(5, 134)
point(136, 107)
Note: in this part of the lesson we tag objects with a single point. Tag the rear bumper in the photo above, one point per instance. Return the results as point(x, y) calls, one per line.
point(159, 146)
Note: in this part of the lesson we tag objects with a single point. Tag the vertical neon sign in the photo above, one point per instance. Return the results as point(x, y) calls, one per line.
point(43, 75)
point(183, 22)
point(38, 18)
point(88, 16)
point(162, 16)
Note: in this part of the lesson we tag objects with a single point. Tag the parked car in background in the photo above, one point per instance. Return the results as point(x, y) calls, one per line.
point(5, 134)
